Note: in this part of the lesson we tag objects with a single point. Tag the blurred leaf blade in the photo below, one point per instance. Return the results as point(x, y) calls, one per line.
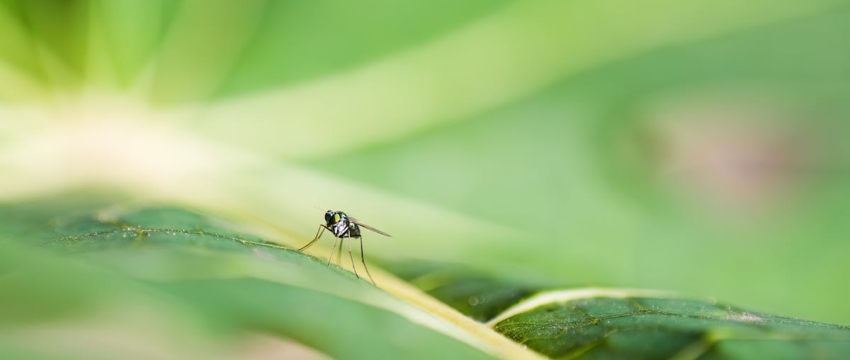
point(23, 79)
point(589, 153)
point(307, 41)
point(505, 57)
point(692, 146)
point(59, 30)
point(234, 280)
point(135, 32)
point(202, 43)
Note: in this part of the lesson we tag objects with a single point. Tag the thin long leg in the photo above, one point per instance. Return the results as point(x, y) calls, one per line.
point(352, 260)
point(339, 252)
point(318, 235)
point(332, 252)
point(363, 258)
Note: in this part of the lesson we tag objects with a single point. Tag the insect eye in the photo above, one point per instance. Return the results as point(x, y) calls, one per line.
point(329, 215)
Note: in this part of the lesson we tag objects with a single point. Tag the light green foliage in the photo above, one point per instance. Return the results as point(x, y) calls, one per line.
point(216, 283)
point(697, 147)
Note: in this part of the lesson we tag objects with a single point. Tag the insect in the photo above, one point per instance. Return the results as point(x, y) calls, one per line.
point(344, 227)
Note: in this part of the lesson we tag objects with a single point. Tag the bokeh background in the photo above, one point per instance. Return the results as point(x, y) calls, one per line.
point(694, 146)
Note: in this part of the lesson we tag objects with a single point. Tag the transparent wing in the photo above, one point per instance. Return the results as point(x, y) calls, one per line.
point(368, 227)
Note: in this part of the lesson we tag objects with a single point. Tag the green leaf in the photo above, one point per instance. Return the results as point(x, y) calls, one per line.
point(606, 323)
point(602, 323)
point(161, 159)
point(220, 282)
point(224, 280)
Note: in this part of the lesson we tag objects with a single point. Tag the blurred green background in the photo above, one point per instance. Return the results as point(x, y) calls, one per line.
point(694, 146)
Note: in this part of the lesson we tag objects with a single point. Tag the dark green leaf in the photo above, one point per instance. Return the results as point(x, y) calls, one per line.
point(600, 323)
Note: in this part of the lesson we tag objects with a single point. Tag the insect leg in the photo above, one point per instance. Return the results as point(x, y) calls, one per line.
point(363, 258)
point(332, 252)
point(352, 259)
point(318, 235)
point(339, 252)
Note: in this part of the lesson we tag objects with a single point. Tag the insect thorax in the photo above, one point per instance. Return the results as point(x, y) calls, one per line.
point(341, 225)
point(340, 228)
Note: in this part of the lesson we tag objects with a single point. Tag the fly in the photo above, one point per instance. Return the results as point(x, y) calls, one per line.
point(344, 226)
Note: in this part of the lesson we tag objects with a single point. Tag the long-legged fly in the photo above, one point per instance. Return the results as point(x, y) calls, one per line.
point(343, 227)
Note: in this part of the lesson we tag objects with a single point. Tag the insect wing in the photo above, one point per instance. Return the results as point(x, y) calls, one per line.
point(368, 227)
